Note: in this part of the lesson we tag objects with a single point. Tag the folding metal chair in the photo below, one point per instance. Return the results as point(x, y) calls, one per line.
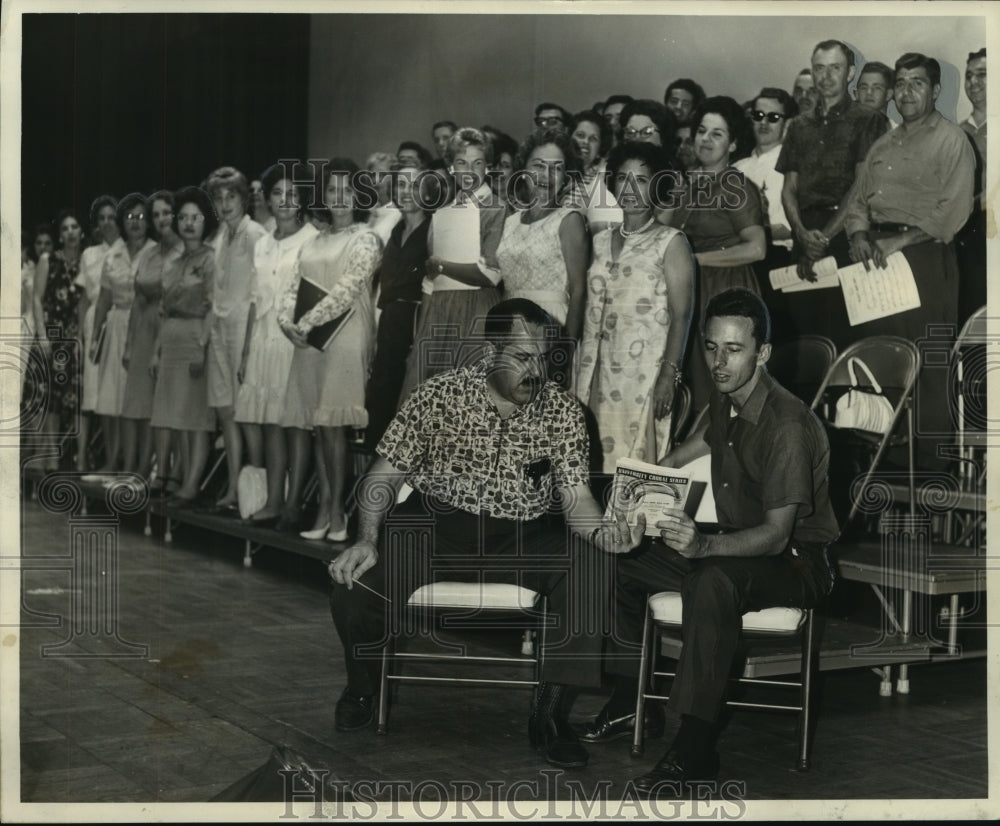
point(663, 622)
point(801, 365)
point(970, 363)
point(894, 362)
point(662, 628)
point(468, 605)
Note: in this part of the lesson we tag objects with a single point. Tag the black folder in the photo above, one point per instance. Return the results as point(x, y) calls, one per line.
point(309, 295)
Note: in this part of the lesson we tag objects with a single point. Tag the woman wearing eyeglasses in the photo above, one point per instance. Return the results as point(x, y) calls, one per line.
point(143, 329)
point(727, 236)
point(638, 315)
point(180, 401)
point(114, 303)
point(648, 121)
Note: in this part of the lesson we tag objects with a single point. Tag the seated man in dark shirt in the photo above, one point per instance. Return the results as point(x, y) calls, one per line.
point(494, 453)
point(769, 477)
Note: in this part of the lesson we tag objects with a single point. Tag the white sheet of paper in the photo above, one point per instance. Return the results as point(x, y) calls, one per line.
point(822, 282)
point(787, 278)
point(881, 292)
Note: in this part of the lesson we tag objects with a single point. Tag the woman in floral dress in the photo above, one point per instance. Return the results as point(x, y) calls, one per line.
point(640, 294)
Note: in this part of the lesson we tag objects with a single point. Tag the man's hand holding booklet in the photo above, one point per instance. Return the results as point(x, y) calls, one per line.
point(655, 491)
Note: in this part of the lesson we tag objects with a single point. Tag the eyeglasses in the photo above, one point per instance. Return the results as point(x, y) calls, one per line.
point(197, 218)
point(554, 120)
point(136, 216)
point(645, 132)
point(772, 117)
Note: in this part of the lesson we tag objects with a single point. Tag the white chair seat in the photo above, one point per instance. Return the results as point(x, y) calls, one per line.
point(473, 595)
point(667, 605)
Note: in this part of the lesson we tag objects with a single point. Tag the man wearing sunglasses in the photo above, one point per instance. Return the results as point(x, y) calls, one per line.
point(770, 113)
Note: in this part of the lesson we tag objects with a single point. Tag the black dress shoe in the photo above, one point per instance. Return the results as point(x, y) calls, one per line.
point(605, 728)
point(549, 732)
point(675, 769)
point(353, 713)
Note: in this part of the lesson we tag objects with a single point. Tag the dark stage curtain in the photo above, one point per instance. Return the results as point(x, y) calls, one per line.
point(138, 102)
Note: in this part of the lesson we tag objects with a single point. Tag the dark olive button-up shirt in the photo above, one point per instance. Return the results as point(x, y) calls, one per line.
point(773, 453)
point(824, 148)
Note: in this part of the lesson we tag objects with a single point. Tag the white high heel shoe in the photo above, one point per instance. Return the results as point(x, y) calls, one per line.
point(319, 533)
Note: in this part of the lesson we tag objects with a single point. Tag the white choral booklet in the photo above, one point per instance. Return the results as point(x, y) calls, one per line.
point(877, 293)
point(641, 487)
point(787, 279)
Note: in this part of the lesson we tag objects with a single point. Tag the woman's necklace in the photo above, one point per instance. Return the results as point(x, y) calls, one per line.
point(625, 233)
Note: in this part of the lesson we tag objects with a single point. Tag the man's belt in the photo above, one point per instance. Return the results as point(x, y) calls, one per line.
point(888, 227)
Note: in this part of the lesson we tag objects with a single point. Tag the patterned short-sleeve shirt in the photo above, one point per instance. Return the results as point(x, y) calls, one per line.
point(451, 443)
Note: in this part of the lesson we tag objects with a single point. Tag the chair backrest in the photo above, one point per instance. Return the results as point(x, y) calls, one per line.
point(801, 365)
point(973, 331)
point(970, 364)
point(894, 362)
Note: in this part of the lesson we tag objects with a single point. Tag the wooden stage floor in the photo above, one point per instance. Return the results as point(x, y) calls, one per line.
point(231, 661)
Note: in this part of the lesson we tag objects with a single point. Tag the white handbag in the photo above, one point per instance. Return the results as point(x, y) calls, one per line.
point(251, 490)
point(863, 408)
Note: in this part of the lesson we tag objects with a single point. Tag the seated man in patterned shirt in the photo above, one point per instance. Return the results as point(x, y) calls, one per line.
point(491, 451)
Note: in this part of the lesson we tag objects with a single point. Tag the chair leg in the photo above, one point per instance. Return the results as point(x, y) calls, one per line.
point(540, 649)
point(383, 691)
point(638, 746)
point(806, 676)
